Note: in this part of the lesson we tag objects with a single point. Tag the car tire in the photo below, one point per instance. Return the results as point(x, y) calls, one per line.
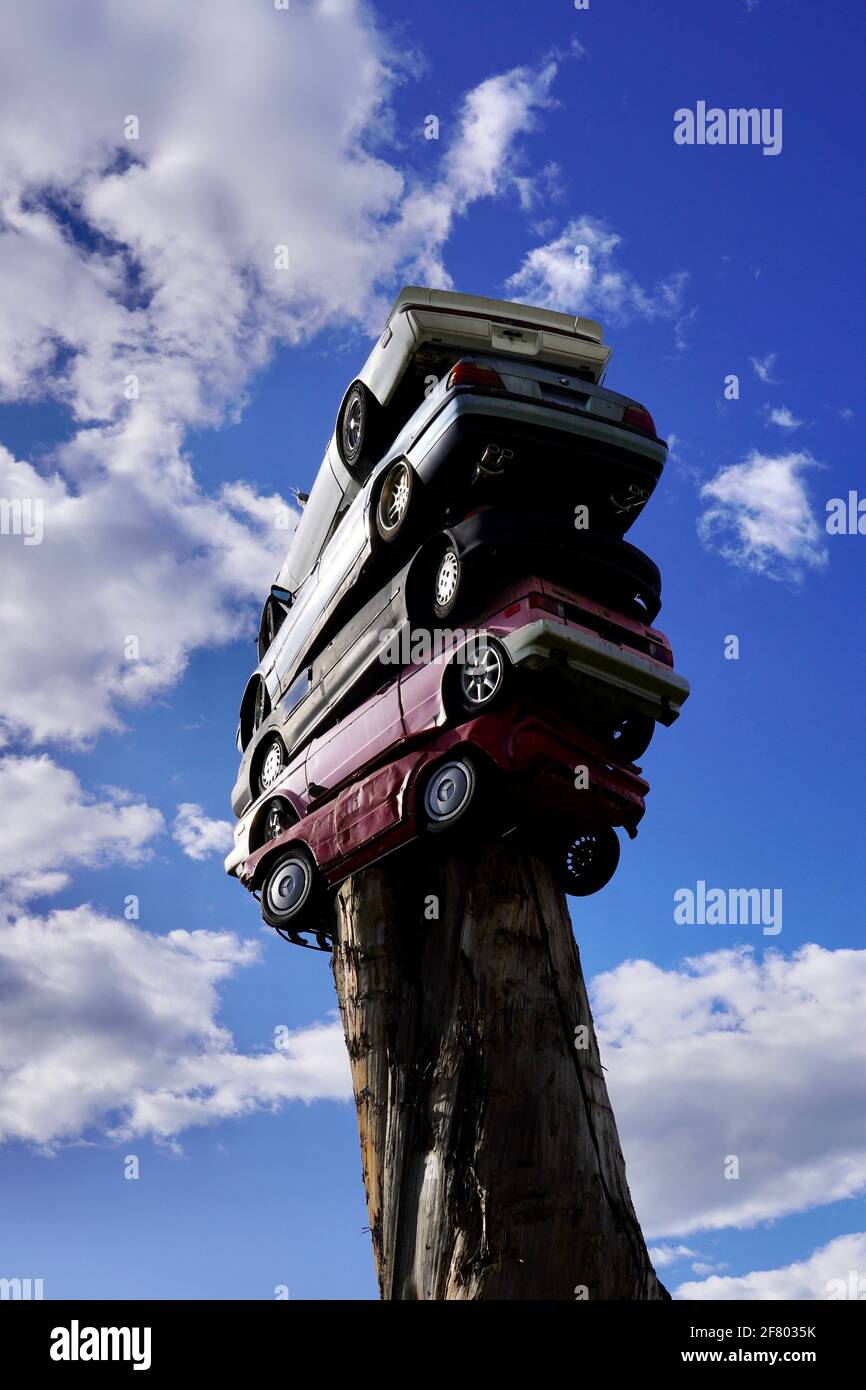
point(277, 819)
point(447, 794)
point(616, 573)
point(395, 507)
point(447, 580)
point(290, 891)
point(628, 738)
point(272, 762)
point(588, 861)
point(358, 428)
point(480, 676)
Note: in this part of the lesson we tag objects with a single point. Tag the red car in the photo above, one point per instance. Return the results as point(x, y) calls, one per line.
point(608, 670)
point(432, 789)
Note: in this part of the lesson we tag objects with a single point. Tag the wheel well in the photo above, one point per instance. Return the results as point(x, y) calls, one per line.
point(248, 705)
point(260, 755)
point(376, 493)
point(485, 771)
point(269, 860)
point(419, 576)
point(257, 829)
point(451, 698)
point(375, 430)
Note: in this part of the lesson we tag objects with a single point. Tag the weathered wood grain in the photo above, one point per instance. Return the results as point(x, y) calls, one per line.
point(490, 1155)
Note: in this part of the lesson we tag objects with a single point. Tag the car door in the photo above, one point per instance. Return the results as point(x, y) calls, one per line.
point(422, 683)
point(317, 597)
point(295, 634)
point(293, 783)
point(367, 733)
point(317, 517)
point(346, 550)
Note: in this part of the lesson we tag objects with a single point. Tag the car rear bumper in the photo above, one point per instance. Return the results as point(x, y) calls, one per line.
point(493, 539)
point(628, 680)
point(585, 461)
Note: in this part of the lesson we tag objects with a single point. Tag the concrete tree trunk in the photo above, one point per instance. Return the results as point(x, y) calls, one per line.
point(490, 1155)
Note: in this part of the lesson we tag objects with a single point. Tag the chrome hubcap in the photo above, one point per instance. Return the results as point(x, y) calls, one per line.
point(289, 886)
point(448, 791)
point(276, 821)
point(581, 854)
point(353, 424)
point(395, 497)
point(446, 578)
point(482, 672)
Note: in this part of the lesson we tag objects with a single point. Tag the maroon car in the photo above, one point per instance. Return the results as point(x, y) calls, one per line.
point(611, 670)
point(526, 769)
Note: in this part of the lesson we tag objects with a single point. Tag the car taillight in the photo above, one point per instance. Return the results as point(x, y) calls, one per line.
point(639, 419)
point(473, 374)
point(549, 605)
point(661, 653)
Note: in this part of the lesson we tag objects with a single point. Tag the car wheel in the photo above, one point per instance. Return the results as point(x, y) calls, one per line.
point(447, 794)
point(615, 573)
point(273, 763)
point(447, 580)
point(630, 737)
point(261, 707)
point(278, 819)
point(589, 861)
point(357, 429)
point(394, 506)
point(482, 673)
point(289, 889)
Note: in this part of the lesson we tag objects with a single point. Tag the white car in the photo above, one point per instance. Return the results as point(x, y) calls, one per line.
point(426, 332)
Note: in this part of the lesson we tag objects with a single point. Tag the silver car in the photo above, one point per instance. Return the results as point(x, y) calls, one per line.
point(426, 332)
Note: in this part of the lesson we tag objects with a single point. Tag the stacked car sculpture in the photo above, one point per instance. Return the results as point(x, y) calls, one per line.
point(459, 635)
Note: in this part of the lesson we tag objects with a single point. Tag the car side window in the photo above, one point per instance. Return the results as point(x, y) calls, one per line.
point(296, 691)
point(334, 524)
point(273, 617)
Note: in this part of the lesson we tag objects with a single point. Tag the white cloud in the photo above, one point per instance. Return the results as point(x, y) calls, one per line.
point(764, 368)
point(111, 1030)
point(758, 515)
point(783, 417)
point(481, 161)
point(198, 835)
point(727, 1055)
point(826, 1274)
point(48, 824)
point(108, 1029)
point(680, 454)
point(577, 273)
point(137, 554)
point(154, 259)
point(662, 1255)
point(494, 113)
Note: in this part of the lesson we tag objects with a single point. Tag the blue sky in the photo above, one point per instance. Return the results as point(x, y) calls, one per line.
point(556, 126)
